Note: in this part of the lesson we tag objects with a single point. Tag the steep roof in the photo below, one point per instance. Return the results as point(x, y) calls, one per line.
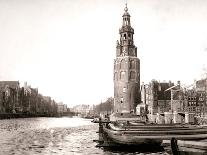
point(162, 94)
point(11, 84)
point(159, 89)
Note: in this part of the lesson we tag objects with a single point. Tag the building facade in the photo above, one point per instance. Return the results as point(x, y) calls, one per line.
point(201, 88)
point(9, 96)
point(126, 70)
point(169, 103)
point(157, 99)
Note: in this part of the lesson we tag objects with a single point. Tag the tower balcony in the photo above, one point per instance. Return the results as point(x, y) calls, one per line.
point(126, 29)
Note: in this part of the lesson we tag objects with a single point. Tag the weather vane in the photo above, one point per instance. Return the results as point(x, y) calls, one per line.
point(126, 9)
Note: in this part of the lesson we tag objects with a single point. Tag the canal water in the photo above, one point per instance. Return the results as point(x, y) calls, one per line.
point(53, 136)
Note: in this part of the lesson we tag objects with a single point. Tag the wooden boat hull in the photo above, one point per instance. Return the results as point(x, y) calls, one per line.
point(131, 140)
point(145, 135)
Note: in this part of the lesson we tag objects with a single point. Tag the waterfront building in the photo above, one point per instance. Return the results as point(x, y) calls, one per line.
point(27, 100)
point(60, 108)
point(178, 105)
point(33, 100)
point(40, 106)
point(169, 103)
point(157, 99)
point(47, 104)
point(200, 102)
point(201, 88)
point(82, 109)
point(9, 92)
point(191, 104)
point(54, 107)
point(126, 70)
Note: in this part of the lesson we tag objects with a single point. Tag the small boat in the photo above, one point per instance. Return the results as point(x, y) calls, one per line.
point(128, 134)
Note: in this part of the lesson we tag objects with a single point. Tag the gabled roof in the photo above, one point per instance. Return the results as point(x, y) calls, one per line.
point(178, 95)
point(34, 91)
point(11, 84)
point(161, 93)
point(46, 98)
point(159, 89)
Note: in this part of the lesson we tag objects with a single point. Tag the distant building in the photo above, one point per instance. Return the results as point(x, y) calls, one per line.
point(92, 110)
point(65, 109)
point(81, 109)
point(201, 102)
point(192, 104)
point(60, 108)
point(9, 93)
point(201, 87)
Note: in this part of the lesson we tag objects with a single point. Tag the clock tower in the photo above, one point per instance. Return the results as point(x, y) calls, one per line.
point(126, 70)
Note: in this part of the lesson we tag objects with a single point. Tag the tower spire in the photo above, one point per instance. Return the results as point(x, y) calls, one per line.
point(126, 9)
point(126, 16)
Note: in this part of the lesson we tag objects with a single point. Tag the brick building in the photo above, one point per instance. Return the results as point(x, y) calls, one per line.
point(157, 99)
point(9, 96)
point(201, 88)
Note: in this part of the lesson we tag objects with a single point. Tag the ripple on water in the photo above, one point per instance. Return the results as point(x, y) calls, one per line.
point(40, 137)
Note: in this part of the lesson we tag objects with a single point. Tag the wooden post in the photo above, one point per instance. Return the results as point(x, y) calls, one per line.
point(174, 147)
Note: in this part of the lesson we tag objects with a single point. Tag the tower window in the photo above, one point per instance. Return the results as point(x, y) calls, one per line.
point(132, 75)
point(122, 100)
point(117, 66)
point(115, 76)
point(122, 65)
point(122, 75)
point(124, 36)
point(129, 35)
point(132, 64)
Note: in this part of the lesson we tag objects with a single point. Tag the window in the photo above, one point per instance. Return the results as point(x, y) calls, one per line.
point(124, 36)
point(122, 100)
point(132, 64)
point(122, 75)
point(122, 64)
point(115, 76)
point(132, 75)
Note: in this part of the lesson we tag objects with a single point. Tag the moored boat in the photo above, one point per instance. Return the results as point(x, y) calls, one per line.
point(152, 134)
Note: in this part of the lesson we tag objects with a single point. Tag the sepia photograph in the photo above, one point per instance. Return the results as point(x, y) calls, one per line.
point(103, 77)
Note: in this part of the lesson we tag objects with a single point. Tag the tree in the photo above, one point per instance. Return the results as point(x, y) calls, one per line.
point(106, 106)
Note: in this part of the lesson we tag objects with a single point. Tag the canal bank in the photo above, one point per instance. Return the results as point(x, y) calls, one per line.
point(28, 115)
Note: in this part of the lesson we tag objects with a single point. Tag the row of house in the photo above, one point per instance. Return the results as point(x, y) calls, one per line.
point(84, 110)
point(167, 102)
point(16, 99)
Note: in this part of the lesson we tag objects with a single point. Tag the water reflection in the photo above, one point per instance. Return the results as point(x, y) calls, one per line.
point(51, 136)
point(45, 135)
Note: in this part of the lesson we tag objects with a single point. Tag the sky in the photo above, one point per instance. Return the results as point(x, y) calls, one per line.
point(66, 48)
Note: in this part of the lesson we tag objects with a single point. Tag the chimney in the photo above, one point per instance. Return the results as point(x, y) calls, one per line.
point(178, 84)
point(170, 83)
